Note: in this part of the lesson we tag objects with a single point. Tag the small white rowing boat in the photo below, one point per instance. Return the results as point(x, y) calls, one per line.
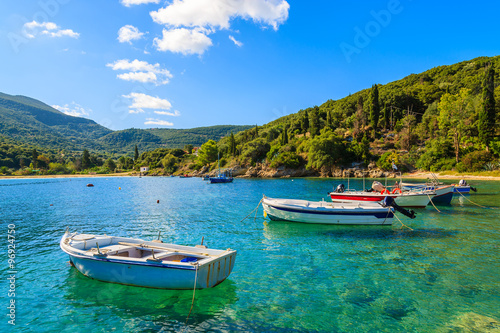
point(323, 212)
point(150, 264)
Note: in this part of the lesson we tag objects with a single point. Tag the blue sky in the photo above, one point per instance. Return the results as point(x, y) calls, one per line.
point(192, 63)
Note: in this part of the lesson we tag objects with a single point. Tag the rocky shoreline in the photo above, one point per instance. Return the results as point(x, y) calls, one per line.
point(264, 171)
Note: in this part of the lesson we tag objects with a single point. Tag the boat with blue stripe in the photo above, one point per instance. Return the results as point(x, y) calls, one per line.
point(323, 212)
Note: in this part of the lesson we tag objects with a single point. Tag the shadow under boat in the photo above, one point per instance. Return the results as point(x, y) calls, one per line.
point(280, 229)
point(159, 305)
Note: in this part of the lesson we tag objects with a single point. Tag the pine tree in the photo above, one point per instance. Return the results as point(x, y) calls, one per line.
point(232, 145)
point(34, 157)
point(284, 137)
point(314, 123)
point(487, 115)
point(136, 154)
point(374, 107)
point(387, 117)
point(304, 122)
point(329, 119)
point(85, 159)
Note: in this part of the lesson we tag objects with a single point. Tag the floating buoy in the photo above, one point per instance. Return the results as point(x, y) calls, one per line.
point(119, 188)
point(157, 201)
point(52, 204)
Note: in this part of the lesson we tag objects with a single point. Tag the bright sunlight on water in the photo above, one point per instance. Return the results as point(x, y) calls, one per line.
point(441, 276)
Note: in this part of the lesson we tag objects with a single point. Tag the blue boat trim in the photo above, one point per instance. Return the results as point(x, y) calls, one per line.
point(377, 215)
point(121, 262)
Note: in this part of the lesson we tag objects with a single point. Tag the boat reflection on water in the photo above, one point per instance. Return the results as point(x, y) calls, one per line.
point(153, 308)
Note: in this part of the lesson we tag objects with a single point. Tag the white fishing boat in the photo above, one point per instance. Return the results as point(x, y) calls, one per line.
point(323, 212)
point(150, 264)
point(413, 199)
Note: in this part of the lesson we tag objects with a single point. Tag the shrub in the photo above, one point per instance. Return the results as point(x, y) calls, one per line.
point(287, 159)
point(474, 161)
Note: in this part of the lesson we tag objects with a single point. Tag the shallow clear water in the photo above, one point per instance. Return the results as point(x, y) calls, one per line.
point(441, 276)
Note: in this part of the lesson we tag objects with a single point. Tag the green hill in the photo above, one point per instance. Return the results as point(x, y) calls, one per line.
point(32, 122)
point(429, 121)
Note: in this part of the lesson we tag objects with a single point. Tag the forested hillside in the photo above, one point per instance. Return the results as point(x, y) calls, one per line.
point(445, 118)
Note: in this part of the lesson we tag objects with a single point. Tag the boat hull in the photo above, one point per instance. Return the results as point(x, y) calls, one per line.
point(462, 189)
point(211, 268)
point(161, 277)
point(403, 200)
point(216, 180)
point(326, 213)
point(444, 194)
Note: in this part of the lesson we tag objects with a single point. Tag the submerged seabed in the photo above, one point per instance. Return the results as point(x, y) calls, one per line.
point(442, 276)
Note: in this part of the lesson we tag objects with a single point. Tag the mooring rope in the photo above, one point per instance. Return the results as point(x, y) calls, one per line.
point(194, 292)
point(253, 211)
point(430, 199)
point(472, 201)
point(404, 225)
point(388, 211)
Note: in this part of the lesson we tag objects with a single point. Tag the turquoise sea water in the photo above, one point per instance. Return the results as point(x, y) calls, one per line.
point(442, 276)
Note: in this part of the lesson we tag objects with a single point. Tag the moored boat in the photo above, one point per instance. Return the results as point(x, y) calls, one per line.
point(443, 193)
point(414, 199)
point(323, 212)
point(150, 264)
point(222, 177)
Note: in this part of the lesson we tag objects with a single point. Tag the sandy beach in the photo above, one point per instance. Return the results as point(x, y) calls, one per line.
point(122, 174)
point(416, 175)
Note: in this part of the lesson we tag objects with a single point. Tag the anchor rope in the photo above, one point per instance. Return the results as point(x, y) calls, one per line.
point(253, 211)
point(430, 199)
point(194, 292)
point(472, 201)
point(404, 225)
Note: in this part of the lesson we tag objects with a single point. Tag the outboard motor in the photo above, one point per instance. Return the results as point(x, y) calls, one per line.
point(389, 202)
point(340, 188)
point(473, 188)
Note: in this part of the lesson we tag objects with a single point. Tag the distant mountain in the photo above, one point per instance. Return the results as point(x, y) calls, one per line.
point(29, 121)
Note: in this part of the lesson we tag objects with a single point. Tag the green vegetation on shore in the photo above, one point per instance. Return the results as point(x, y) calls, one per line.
point(443, 119)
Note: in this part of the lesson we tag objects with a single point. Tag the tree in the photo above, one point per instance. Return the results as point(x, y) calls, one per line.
point(329, 119)
point(304, 122)
point(169, 163)
point(374, 107)
point(487, 115)
point(34, 158)
point(207, 152)
point(188, 148)
point(314, 123)
point(110, 164)
point(326, 150)
point(454, 116)
point(136, 154)
point(85, 159)
point(284, 136)
point(387, 117)
point(232, 145)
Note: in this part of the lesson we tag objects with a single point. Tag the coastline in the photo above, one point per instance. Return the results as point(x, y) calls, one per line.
point(123, 174)
point(415, 175)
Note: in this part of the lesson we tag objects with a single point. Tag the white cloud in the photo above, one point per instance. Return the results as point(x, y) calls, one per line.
point(128, 33)
point(128, 3)
point(218, 13)
point(183, 41)
point(176, 113)
point(138, 76)
point(33, 29)
point(236, 42)
point(142, 101)
point(73, 109)
point(152, 121)
point(189, 22)
point(141, 71)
